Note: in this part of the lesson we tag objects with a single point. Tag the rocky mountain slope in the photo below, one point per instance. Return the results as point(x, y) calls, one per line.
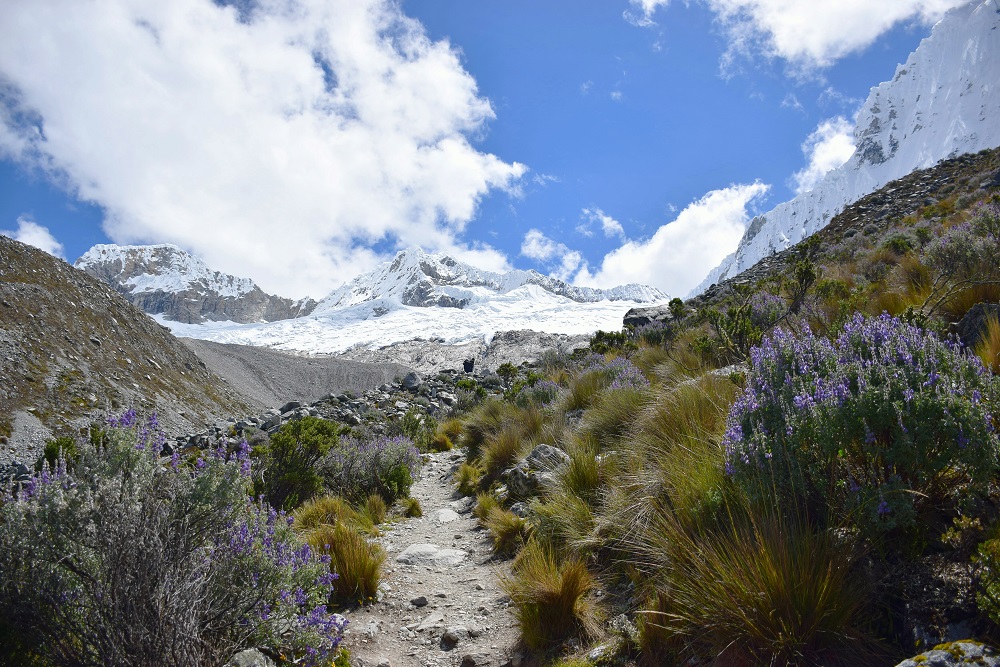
point(925, 194)
point(72, 348)
point(165, 280)
point(942, 102)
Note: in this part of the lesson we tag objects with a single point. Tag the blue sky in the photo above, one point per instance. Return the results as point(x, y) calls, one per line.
point(300, 143)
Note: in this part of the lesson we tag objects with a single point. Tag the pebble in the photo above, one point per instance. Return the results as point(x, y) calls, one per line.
point(419, 601)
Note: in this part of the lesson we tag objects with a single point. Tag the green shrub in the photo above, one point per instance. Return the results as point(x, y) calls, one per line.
point(288, 465)
point(551, 599)
point(64, 448)
point(881, 424)
point(123, 560)
point(357, 468)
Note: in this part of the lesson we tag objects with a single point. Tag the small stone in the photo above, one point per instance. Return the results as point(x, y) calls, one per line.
point(446, 516)
point(419, 601)
point(440, 594)
point(476, 660)
point(384, 662)
point(452, 636)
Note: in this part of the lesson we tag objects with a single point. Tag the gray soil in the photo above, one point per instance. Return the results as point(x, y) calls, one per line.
point(443, 606)
point(272, 378)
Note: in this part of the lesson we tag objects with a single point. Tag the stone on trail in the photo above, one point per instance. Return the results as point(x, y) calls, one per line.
point(420, 601)
point(431, 554)
point(445, 515)
point(476, 660)
point(250, 658)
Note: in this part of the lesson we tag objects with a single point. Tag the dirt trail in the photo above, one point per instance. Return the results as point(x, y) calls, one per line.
point(441, 604)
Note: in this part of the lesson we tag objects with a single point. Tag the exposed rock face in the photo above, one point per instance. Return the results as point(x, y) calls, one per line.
point(72, 348)
point(165, 280)
point(970, 330)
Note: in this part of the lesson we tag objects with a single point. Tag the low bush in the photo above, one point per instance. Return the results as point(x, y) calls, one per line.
point(58, 448)
point(551, 599)
point(355, 469)
point(874, 428)
point(125, 560)
point(287, 465)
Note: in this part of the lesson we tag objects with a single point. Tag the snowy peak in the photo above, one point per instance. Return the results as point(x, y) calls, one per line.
point(941, 103)
point(162, 267)
point(416, 278)
point(165, 280)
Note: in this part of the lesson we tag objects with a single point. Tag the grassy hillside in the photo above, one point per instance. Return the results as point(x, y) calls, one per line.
point(798, 467)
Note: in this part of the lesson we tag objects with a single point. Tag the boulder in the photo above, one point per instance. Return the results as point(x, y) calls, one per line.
point(970, 329)
point(965, 653)
point(412, 381)
point(536, 472)
point(250, 658)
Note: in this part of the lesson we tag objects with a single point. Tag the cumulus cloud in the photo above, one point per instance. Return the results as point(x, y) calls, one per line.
point(561, 261)
point(679, 254)
point(830, 145)
point(280, 144)
point(810, 34)
point(31, 233)
point(610, 226)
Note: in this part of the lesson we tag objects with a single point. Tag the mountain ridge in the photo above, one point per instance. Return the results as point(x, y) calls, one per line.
point(940, 103)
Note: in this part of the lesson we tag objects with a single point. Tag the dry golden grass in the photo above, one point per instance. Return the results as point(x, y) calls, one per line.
point(551, 598)
point(988, 347)
point(356, 561)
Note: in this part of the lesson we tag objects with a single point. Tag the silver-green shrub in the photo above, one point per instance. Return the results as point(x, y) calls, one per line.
point(130, 559)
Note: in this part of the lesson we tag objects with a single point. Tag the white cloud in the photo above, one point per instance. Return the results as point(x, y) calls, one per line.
point(279, 147)
point(616, 95)
point(642, 16)
point(31, 233)
point(586, 86)
point(830, 145)
point(560, 260)
point(610, 226)
point(791, 102)
point(679, 254)
point(810, 34)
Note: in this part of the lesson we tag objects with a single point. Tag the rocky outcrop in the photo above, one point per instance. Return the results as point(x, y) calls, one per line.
point(165, 280)
point(965, 653)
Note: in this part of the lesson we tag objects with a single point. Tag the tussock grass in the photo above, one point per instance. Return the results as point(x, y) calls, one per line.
point(583, 389)
point(509, 531)
point(612, 415)
point(451, 428)
point(485, 503)
point(356, 561)
point(648, 358)
point(412, 508)
point(467, 478)
point(582, 475)
point(988, 348)
point(502, 451)
point(485, 421)
point(440, 443)
point(375, 509)
point(566, 524)
point(331, 510)
point(550, 598)
point(768, 591)
point(956, 307)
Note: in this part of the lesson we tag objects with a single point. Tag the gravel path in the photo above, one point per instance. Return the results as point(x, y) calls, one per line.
point(441, 603)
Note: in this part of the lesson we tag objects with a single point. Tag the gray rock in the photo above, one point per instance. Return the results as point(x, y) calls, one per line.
point(476, 660)
point(446, 516)
point(412, 381)
point(965, 653)
point(431, 554)
point(970, 329)
point(520, 509)
point(452, 635)
point(536, 472)
point(419, 601)
point(546, 457)
point(250, 658)
point(289, 406)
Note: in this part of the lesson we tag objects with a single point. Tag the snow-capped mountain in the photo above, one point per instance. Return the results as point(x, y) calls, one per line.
point(942, 102)
point(165, 280)
point(416, 278)
point(434, 298)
